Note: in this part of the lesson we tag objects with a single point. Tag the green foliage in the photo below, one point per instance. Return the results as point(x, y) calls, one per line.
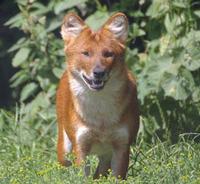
point(27, 151)
point(163, 52)
point(169, 81)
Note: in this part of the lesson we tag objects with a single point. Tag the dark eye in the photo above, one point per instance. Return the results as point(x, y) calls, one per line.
point(108, 54)
point(85, 53)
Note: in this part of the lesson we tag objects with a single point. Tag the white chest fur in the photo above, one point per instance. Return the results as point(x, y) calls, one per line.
point(97, 108)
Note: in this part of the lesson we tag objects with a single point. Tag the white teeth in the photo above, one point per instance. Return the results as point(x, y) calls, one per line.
point(97, 83)
point(93, 84)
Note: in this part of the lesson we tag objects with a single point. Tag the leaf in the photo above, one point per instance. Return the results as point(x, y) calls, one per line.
point(197, 13)
point(136, 31)
point(20, 57)
point(158, 8)
point(178, 86)
point(28, 90)
point(96, 20)
point(168, 24)
point(192, 60)
point(61, 6)
point(42, 100)
point(164, 43)
point(160, 66)
point(17, 45)
point(40, 9)
point(171, 24)
point(22, 2)
point(15, 21)
point(19, 80)
point(172, 87)
point(181, 4)
point(150, 79)
point(136, 13)
point(196, 95)
point(58, 72)
point(17, 75)
point(53, 25)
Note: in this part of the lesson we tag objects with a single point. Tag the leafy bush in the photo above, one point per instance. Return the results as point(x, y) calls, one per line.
point(162, 51)
point(169, 80)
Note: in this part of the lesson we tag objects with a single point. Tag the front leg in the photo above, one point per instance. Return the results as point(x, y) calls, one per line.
point(64, 146)
point(103, 166)
point(82, 148)
point(120, 161)
point(81, 152)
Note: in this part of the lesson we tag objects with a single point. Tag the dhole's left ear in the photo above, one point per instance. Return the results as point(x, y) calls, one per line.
point(72, 26)
point(118, 25)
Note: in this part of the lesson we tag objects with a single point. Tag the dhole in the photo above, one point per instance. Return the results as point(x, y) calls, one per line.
point(96, 99)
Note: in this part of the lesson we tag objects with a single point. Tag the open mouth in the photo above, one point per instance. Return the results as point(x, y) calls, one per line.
point(94, 84)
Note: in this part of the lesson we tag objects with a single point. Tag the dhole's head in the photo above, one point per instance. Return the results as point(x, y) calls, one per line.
point(93, 57)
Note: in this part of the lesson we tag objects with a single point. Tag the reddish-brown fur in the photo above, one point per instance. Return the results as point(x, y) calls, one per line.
point(87, 134)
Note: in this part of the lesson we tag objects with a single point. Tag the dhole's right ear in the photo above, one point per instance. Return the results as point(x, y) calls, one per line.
point(71, 27)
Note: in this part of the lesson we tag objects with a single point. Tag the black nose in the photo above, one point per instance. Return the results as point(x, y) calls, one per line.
point(98, 73)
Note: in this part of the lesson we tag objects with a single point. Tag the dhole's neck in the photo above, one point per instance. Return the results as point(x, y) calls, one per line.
point(100, 107)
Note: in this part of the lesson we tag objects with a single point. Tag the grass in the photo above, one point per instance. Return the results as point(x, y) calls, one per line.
point(27, 155)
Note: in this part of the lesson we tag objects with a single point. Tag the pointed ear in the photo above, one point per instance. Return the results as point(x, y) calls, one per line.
point(72, 26)
point(118, 25)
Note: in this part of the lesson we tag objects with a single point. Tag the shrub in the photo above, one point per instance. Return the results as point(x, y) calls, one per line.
point(162, 51)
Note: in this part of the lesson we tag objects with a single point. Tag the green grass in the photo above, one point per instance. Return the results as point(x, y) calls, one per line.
point(27, 155)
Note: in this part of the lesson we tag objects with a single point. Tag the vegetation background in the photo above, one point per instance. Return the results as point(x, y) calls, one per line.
point(163, 53)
